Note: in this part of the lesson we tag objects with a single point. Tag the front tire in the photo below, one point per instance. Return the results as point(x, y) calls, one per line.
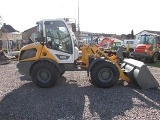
point(104, 74)
point(154, 58)
point(45, 74)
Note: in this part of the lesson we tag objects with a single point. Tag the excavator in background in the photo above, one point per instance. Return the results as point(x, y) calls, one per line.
point(105, 44)
point(109, 46)
point(55, 52)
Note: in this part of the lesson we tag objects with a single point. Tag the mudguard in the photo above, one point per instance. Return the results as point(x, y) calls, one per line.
point(92, 63)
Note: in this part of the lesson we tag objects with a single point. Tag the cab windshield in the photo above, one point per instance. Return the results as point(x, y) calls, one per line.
point(147, 39)
point(58, 37)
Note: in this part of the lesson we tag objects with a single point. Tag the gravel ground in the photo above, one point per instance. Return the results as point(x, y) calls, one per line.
point(74, 97)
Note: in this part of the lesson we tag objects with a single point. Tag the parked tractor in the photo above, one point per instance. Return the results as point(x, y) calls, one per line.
point(148, 48)
point(55, 52)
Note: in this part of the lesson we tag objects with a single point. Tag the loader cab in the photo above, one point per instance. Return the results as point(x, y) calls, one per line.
point(158, 41)
point(58, 37)
point(147, 39)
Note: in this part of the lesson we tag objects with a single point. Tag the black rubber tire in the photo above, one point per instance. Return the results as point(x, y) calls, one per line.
point(154, 58)
point(112, 78)
point(49, 71)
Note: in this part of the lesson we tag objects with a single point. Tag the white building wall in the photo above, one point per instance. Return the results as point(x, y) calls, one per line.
point(9, 39)
point(11, 36)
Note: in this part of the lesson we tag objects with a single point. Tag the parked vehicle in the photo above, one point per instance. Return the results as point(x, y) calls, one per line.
point(131, 43)
point(116, 45)
point(148, 48)
point(45, 61)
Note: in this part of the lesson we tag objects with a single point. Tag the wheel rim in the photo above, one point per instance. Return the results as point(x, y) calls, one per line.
point(105, 75)
point(44, 75)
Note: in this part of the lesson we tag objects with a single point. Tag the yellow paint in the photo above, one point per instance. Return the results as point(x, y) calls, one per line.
point(43, 52)
point(127, 49)
point(37, 46)
point(48, 55)
point(40, 52)
point(96, 52)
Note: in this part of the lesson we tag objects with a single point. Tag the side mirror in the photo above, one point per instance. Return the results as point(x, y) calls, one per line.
point(73, 27)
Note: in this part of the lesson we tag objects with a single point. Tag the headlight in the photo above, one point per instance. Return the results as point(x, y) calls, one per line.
point(146, 50)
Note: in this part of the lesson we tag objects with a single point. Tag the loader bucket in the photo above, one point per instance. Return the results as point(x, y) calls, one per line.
point(138, 73)
point(3, 59)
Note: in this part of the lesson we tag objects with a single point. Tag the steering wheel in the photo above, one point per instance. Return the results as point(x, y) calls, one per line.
point(56, 45)
point(62, 39)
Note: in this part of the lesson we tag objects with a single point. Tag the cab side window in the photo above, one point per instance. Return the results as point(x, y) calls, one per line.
point(59, 37)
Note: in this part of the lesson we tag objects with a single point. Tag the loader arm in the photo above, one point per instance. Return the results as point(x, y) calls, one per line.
point(95, 52)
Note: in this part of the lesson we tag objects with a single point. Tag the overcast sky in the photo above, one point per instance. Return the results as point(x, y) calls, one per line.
point(107, 16)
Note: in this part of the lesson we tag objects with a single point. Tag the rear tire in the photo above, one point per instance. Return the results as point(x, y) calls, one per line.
point(104, 74)
point(44, 74)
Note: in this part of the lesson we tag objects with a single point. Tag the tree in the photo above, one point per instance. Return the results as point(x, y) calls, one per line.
point(128, 36)
point(132, 34)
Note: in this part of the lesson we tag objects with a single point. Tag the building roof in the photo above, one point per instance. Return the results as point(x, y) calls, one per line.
point(150, 31)
point(16, 33)
point(8, 28)
point(30, 29)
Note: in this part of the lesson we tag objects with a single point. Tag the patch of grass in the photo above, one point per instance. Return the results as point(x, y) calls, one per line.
point(157, 64)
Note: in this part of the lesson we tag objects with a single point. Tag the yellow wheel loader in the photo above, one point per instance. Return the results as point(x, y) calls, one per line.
point(55, 52)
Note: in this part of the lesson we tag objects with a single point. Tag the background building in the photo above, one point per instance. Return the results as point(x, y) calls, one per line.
point(10, 38)
point(27, 33)
point(147, 32)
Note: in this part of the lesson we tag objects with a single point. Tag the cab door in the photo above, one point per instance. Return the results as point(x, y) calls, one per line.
point(59, 41)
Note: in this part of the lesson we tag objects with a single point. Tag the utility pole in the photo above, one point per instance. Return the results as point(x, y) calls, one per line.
point(78, 34)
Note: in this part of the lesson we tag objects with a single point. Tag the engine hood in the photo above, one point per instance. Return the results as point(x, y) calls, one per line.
point(142, 47)
point(32, 45)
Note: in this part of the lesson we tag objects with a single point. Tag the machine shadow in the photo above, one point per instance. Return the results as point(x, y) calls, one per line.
point(25, 78)
point(68, 100)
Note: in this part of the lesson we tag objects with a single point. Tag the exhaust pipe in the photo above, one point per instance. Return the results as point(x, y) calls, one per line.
point(138, 73)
